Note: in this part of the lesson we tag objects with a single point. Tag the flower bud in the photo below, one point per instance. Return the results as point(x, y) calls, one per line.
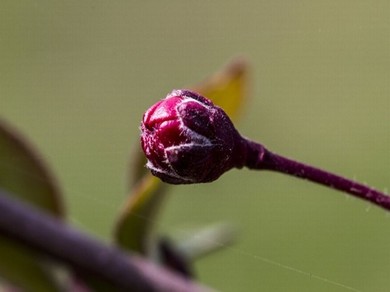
point(187, 139)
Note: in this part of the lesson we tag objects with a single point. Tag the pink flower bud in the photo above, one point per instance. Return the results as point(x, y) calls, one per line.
point(187, 139)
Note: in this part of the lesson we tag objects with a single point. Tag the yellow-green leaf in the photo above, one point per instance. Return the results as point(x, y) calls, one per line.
point(228, 88)
point(138, 167)
point(133, 229)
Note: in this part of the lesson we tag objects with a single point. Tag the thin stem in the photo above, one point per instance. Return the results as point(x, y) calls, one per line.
point(258, 157)
point(86, 256)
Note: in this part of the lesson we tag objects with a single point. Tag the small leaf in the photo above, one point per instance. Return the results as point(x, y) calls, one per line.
point(198, 243)
point(23, 174)
point(228, 88)
point(133, 229)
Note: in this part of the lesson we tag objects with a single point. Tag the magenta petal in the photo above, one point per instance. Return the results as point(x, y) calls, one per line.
point(162, 111)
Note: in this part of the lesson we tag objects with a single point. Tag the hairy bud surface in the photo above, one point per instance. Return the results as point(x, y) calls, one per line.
point(187, 139)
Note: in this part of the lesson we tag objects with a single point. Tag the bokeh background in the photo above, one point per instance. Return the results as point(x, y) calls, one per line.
point(76, 77)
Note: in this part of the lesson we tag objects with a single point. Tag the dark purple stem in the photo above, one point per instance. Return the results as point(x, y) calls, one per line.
point(49, 237)
point(258, 157)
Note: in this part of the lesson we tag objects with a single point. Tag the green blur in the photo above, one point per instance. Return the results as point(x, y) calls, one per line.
point(76, 77)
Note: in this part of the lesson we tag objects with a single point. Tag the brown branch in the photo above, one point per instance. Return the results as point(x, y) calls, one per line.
point(49, 236)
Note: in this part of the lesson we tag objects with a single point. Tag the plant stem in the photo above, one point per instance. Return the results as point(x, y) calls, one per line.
point(89, 258)
point(258, 157)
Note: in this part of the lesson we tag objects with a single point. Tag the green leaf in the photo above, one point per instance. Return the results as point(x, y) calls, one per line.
point(133, 230)
point(138, 167)
point(198, 243)
point(23, 174)
point(227, 88)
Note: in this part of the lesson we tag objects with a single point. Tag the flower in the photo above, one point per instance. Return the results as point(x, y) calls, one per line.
point(187, 139)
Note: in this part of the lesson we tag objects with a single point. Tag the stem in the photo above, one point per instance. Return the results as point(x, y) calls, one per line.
point(258, 157)
point(86, 256)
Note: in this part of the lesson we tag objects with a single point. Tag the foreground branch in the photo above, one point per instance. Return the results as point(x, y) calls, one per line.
point(85, 255)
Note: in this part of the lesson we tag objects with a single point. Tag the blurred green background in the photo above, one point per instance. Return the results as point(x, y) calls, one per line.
point(76, 77)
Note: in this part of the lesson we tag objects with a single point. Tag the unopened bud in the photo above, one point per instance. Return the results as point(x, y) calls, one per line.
point(187, 139)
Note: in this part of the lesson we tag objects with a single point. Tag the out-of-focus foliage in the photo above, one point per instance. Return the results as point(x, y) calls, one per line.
point(23, 174)
point(77, 75)
point(228, 88)
point(200, 242)
point(133, 230)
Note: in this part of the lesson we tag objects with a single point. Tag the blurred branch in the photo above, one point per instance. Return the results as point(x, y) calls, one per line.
point(87, 256)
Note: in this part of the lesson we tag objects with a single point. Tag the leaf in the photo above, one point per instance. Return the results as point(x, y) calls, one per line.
point(138, 167)
point(23, 174)
point(228, 88)
point(198, 243)
point(133, 229)
point(178, 255)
